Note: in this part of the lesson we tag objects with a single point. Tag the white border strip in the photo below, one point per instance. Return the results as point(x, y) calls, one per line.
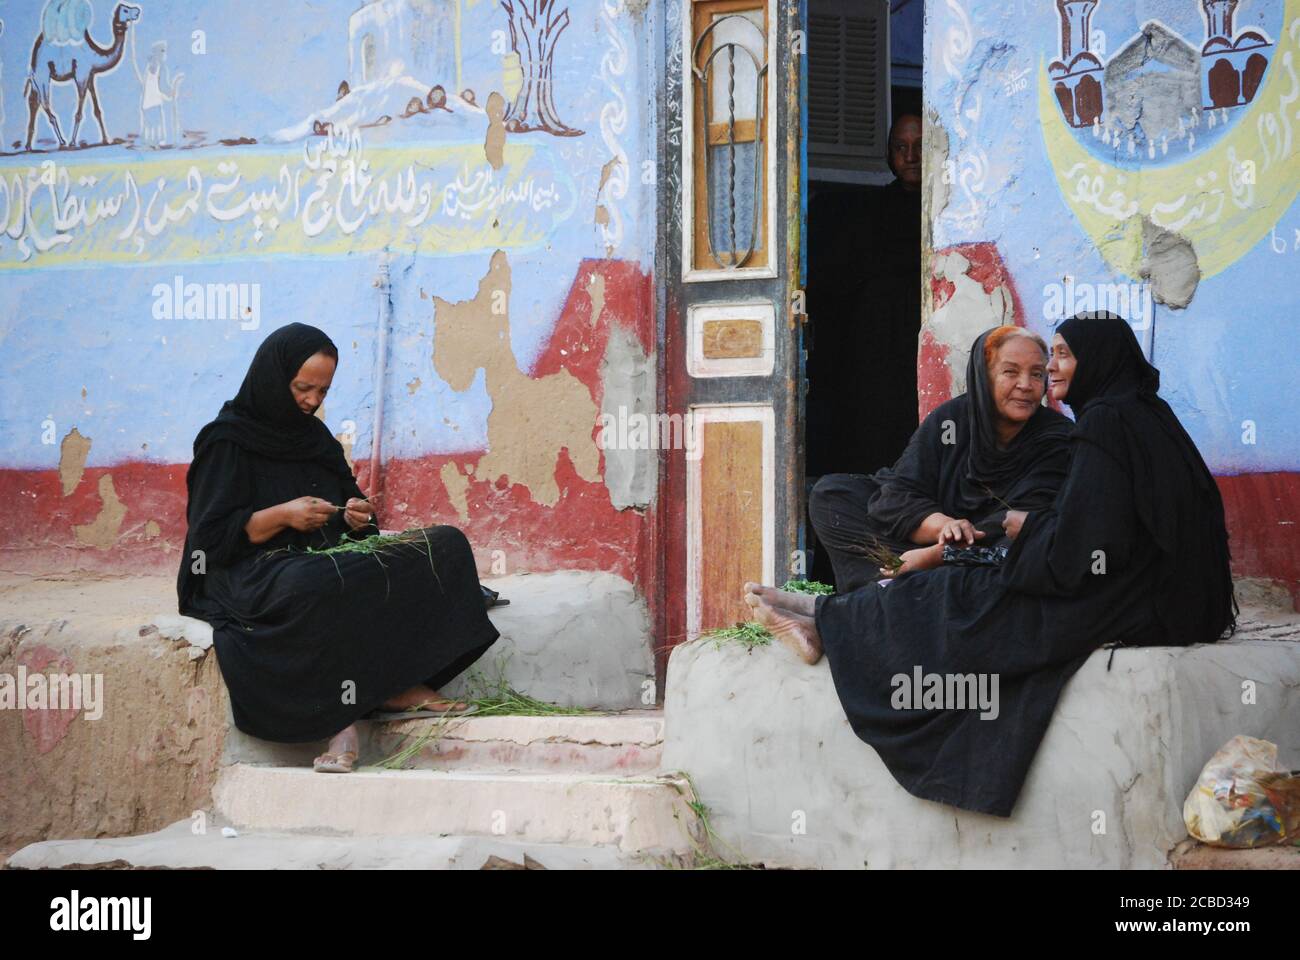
point(690, 275)
point(726, 413)
point(698, 314)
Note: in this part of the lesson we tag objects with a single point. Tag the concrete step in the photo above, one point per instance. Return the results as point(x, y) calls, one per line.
point(635, 815)
point(177, 847)
point(621, 743)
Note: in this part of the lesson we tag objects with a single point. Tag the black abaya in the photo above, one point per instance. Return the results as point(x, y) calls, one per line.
point(307, 643)
point(1086, 572)
point(952, 465)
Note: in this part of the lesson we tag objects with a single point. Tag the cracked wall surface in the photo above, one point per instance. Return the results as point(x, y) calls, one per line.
point(532, 420)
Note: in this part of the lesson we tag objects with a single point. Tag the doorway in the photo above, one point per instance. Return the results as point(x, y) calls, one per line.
point(863, 225)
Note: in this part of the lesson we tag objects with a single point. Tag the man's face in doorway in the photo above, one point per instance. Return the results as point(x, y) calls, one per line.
point(905, 151)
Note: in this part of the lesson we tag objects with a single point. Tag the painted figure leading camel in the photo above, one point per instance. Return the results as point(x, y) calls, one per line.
point(66, 52)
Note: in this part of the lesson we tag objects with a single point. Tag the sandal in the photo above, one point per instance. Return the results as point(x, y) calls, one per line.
point(491, 598)
point(335, 762)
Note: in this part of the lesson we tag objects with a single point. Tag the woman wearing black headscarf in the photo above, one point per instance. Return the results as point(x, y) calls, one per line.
point(309, 643)
point(992, 447)
point(1133, 552)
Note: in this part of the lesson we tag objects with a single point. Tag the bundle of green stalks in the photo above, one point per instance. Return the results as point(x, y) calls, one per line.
point(496, 697)
point(750, 635)
point(492, 697)
point(814, 587)
point(882, 556)
point(375, 545)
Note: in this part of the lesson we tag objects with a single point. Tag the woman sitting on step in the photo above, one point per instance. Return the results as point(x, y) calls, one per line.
point(309, 643)
point(993, 447)
point(1134, 551)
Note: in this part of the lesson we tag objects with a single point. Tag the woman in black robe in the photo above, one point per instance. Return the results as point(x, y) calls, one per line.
point(309, 643)
point(1133, 552)
point(986, 450)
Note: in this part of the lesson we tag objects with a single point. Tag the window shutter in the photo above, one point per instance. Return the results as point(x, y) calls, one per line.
point(848, 83)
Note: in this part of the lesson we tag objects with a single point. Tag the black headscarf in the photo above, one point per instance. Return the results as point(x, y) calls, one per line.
point(1175, 495)
point(966, 474)
point(263, 417)
point(986, 464)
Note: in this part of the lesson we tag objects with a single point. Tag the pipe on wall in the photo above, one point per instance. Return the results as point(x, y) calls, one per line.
point(383, 283)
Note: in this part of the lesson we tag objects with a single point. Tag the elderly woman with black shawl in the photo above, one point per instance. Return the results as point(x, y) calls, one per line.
point(974, 457)
point(1133, 552)
point(309, 642)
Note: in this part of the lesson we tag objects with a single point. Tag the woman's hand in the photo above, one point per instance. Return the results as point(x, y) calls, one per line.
point(308, 513)
point(930, 528)
point(922, 558)
point(958, 531)
point(1015, 519)
point(358, 513)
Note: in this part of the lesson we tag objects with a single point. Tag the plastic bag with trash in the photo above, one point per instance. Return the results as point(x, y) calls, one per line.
point(1241, 798)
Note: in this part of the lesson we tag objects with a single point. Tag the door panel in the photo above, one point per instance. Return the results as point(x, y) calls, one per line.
point(732, 503)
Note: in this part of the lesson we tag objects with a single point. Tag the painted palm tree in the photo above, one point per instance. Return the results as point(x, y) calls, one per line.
point(535, 28)
point(66, 52)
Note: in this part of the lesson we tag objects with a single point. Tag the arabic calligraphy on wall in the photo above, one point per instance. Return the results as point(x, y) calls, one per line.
point(330, 197)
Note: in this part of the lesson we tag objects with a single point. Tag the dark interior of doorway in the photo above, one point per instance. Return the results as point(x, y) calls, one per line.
point(863, 301)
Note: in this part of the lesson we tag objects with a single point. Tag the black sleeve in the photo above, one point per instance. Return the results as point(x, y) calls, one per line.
point(909, 492)
point(222, 490)
point(1091, 531)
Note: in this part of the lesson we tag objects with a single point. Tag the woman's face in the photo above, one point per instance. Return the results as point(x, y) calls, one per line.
point(1060, 371)
point(1018, 376)
point(312, 382)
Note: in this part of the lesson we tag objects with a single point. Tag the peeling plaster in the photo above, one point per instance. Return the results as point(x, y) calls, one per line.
point(102, 531)
point(1169, 263)
point(966, 314)
point(532, 420)
point(606, 171)
point(596, 291)
point(628, 377)
point(457, 485)
point(938, 192)
point(72, 459)
point(412, 386)
point(495, 142)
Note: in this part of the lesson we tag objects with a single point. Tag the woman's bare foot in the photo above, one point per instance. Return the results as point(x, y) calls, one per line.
point(424, 698)
point(341, 753)
point(796, 631)
point(804, 604)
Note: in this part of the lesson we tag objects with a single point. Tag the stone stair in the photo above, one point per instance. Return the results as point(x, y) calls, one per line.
point(492, 792)
point(626, 743)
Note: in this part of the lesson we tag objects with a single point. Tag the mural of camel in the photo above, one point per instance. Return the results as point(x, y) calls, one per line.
point(65, 51)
